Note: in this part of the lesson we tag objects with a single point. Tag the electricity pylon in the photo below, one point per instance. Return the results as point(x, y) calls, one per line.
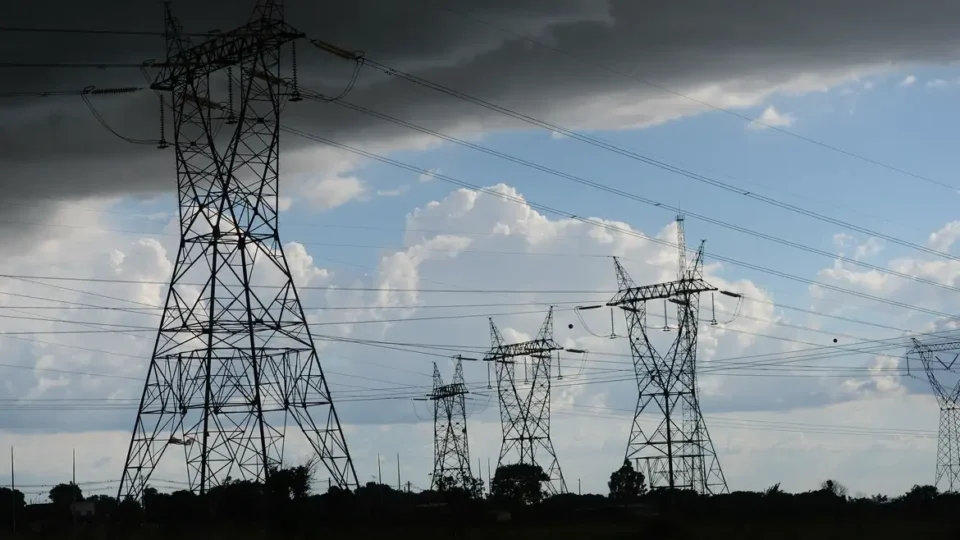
point(233, 358)
point(948, 398)
point(525, 417)
point(678, 453)
point(451, 454)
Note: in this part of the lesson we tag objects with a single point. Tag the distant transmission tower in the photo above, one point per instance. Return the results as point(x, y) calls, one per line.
point(678, 453)
point(232, 360)
point(451, 454)
point(948, 397)
point(525, 418)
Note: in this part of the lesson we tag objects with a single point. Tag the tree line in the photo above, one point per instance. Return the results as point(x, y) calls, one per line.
point(285, 502)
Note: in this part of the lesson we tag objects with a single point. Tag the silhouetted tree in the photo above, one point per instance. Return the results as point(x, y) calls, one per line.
point(518, 484)
point(64, 494)
point(105, 505)
point(834, 488)
point(773, 490)
point(920, 495)
point(292, 483)
point(10, 501)
point(626, 483)
point(452, 488)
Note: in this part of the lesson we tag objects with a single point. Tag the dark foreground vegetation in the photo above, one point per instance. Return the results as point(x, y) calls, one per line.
point(516, 507)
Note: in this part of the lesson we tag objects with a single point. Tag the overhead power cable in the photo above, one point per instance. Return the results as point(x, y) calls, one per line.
point(601, 144)
point(327, 288)
point(716, 363)
point(458, 348)
point(632, 196)
point(650, 161)
point(528, 39)
point(780, 129)
point(381, 321)
point(609, 227)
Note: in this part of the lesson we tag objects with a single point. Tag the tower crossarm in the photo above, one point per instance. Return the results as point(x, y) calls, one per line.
point(948, 397)
point(671, 289)
point(536, 347)
point(935, 347)
point(448, 391)
point(222, 50)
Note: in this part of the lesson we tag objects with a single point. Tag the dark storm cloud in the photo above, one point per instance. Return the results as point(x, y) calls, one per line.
point(53, 147)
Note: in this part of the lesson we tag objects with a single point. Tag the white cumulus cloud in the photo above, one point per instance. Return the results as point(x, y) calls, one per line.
point(771, 117)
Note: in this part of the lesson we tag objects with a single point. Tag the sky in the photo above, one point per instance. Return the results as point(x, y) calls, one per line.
point(809, 148)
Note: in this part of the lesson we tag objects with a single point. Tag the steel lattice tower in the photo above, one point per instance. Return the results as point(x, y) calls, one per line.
point(234, 358)
point(525, 419)
point(678, 454)
point(948, 398)
point(451, 454)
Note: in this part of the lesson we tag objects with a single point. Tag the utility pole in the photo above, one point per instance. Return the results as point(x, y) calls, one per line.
point(525, 417)
point(399, 487)
point(232, 363)
point(489, 478)
point(73, 491)
point(13, 491)
point(480, 472)
point(379, 472)
point(579, 491)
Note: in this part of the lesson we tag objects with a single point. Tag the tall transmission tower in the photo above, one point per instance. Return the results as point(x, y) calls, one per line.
point(525, 417)
point(948, 398)
point(451, 454)
point(233, 358)
point(678, 453)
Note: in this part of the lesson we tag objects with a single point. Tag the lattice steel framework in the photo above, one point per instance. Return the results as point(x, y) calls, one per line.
point(525, 416)
point(948, 398)
point(451, 454)
point(234, 358)
point(678, 453)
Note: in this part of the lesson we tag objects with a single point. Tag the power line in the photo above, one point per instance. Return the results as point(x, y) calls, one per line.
point(648, 160)
point(635, 197)
point(610, 227)
point(104, 32)
point(628, 153)
point(663, 88)
point(317, 308)
point(437, 231)
point(527, 38)
point(455, 348)
point(327, 288)
point(772, 321)
point(405, 347)
point(610, 147)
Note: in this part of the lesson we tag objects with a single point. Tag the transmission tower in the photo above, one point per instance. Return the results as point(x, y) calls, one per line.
point(233, 358)
point(678, 454)
point(948, 397)
point(525, 417)
point(451, 454)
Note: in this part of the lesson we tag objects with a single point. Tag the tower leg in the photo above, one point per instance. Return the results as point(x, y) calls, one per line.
point(948, 449)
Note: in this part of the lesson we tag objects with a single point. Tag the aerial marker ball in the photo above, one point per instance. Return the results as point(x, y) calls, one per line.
point(570, 326)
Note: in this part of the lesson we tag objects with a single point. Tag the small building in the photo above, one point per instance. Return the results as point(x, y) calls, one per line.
point(83, 509)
